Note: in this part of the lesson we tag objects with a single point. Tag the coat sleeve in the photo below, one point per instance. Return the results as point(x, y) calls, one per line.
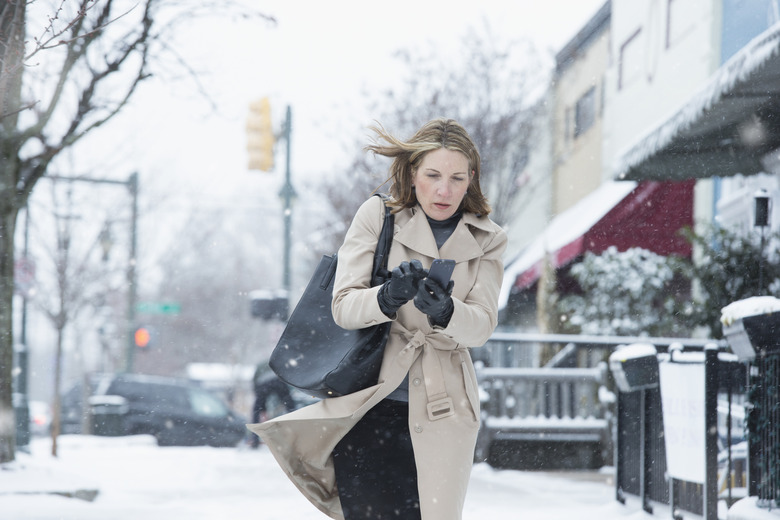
point(355, 304)
point(475, 318)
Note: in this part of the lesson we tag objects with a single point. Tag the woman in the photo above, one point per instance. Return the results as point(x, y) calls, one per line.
point(404, 448)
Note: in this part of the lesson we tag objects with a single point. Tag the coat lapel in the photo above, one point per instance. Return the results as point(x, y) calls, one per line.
point(462, 246)
point(416, 234)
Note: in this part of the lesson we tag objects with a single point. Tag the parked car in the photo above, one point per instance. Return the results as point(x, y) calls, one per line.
point(176, 412)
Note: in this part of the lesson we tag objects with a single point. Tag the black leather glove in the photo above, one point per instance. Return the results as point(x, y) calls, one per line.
point(435, 301)
point(401, 287)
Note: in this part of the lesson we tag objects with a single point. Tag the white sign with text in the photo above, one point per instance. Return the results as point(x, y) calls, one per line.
point(682, 400)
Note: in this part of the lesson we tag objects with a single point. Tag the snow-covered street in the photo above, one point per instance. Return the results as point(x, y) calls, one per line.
point(138, 480)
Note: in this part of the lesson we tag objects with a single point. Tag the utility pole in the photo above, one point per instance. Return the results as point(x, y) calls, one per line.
point(132, 293)
point(288, 194)
point(22, 351)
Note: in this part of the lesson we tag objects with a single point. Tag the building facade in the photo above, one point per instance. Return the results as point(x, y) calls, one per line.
point(579, 90)
point(693, 84)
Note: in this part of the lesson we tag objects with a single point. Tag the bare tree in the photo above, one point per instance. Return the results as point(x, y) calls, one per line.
point(65, 70)
point(82, 278)
point(492, 88)
point(209, 268)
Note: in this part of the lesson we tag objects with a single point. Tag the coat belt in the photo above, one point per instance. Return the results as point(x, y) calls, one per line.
point(439, 402)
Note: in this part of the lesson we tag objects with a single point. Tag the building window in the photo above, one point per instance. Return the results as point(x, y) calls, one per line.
point(585, 112)
point(630, 60)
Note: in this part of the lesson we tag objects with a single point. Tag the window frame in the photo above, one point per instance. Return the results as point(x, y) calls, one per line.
point(622, 57)
point(585, 112)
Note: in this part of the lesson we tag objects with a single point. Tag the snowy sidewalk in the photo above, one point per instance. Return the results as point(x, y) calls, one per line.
point(29, 478)
point(135, 479)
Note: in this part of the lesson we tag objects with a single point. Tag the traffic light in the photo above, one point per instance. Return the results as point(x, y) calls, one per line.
point(260, 136)
point(143, 338)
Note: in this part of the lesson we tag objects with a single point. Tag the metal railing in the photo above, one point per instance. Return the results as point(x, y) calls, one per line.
point(543, 405)
point(520, 349)
point(640, 444)
point(568, 403)
point(764, 430)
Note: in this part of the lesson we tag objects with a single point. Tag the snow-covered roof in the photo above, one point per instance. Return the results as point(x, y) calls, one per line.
point(717, 104)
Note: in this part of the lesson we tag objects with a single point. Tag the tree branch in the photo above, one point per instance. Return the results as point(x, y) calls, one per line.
point(77, 49)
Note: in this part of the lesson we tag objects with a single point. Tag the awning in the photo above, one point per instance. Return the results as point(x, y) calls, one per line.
point(723, 130)
point(623, 214)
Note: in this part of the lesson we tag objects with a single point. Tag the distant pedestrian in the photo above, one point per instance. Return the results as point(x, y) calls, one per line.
point(272, 397)
point(404, 449)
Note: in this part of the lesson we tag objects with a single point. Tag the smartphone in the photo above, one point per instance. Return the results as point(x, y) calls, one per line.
point(441, 271)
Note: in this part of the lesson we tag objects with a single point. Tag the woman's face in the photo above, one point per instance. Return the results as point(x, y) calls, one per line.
point(441, 181)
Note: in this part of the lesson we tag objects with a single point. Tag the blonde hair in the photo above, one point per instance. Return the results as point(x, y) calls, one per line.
point(407, 156)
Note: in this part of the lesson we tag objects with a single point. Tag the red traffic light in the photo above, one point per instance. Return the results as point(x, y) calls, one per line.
point(142, 337)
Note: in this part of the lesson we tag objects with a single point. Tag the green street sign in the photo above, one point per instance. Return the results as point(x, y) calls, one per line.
point(158, 308)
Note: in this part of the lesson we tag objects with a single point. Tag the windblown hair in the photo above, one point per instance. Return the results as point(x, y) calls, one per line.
point(407, 156)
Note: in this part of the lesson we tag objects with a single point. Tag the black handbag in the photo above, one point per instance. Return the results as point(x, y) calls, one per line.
point(319, 357)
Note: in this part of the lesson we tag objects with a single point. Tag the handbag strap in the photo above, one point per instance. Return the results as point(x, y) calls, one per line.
point(380, 274)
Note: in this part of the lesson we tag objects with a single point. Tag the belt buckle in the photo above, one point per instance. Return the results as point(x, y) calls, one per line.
point(440, 409)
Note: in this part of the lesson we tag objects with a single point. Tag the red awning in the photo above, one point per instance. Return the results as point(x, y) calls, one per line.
point(621, 214)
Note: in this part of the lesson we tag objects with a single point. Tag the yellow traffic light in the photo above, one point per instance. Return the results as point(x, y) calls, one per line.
point(260, 136)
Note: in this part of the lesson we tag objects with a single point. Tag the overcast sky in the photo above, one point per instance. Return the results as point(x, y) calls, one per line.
point(316, 59)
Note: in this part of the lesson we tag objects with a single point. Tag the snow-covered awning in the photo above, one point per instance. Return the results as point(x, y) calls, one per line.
point(623, 214)
point(723, 130)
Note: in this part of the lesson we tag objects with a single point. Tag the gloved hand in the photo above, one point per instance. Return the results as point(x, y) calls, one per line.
point(401, 287)
point(435, 301)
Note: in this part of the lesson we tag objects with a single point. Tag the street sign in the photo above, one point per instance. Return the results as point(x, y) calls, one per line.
point(158, 308)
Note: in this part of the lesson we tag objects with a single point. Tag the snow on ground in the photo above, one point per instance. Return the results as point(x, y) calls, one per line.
point(138, 480)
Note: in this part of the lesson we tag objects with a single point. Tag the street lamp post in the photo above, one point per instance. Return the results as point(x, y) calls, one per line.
point(761, 219)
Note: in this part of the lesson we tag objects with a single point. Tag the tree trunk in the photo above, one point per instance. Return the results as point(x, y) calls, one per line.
point(7, 415)
point(12, 37)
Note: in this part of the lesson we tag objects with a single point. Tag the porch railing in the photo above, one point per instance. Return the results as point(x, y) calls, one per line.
point(565, 408)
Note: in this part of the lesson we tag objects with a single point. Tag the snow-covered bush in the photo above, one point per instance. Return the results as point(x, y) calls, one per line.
point(636, 293)
point(640, 293)
point(729, 270)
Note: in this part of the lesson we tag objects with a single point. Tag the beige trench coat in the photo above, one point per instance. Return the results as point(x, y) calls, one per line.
point(443, 399)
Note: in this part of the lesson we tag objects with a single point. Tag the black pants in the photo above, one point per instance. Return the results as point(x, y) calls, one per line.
point(375, 470)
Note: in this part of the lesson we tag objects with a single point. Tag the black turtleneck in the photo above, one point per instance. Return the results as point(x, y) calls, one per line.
point(443, 229)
